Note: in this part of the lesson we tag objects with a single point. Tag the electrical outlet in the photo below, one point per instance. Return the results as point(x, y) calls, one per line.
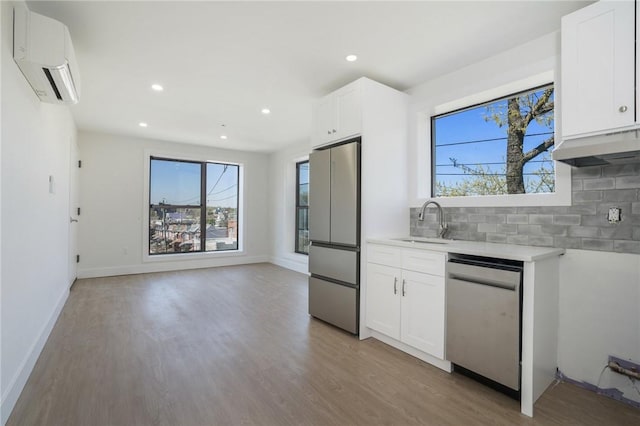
point(624, 366)
point(614, 215)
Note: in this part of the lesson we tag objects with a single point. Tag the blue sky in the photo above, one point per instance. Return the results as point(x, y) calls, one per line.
point(470, 125)
point(179, 183)
point(304, 179)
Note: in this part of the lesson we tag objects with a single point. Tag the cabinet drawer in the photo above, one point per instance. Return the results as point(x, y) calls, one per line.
point(428, 262)
point(333, 263)
point(384, 255)
point(334, 303)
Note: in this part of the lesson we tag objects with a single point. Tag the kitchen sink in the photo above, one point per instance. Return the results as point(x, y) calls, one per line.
point(424, 240)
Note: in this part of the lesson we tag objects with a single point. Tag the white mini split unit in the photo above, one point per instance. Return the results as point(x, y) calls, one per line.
point(42, 49)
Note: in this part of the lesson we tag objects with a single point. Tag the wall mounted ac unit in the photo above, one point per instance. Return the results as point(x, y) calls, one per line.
point(43, 51)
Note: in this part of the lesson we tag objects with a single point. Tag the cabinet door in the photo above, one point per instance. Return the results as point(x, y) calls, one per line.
point(598, 68)
point(326, 126)
point(422, 306)
point(349, 111)
point(383, 299)
point(320, 195)
point(345, 175)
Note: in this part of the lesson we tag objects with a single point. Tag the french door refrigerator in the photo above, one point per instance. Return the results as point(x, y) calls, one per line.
point(334, 231)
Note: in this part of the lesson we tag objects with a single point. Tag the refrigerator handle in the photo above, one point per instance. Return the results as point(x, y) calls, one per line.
point(332, 171)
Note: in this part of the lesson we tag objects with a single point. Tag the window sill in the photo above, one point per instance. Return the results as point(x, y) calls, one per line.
point(146, 258)
point(514, 200)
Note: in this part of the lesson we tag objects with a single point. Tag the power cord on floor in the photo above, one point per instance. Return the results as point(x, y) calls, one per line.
point(631, 379)
point(600, 377)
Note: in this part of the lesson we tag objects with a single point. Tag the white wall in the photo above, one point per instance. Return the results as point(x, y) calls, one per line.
point(35, 223)
point(2, 52)
point(112, 188)
point(499, 75)
point(282, 204)
point(599, 291)
point(599, 316)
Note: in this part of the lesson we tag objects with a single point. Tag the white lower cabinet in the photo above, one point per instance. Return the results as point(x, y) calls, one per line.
point(422, 308)
point(407, 305)
point(383, 301)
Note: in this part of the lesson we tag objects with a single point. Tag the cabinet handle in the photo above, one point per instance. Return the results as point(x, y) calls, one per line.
point(395, 285)
point(403, 285)
point(334, 130)
point(623, 108)
point(328, 132)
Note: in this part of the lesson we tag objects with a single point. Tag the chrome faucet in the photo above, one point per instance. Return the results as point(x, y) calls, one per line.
point(443, 227)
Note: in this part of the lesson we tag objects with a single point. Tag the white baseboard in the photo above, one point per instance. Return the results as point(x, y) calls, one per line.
point(302, 267)
point(440, 363)
point(12, 393)
point(169, 266)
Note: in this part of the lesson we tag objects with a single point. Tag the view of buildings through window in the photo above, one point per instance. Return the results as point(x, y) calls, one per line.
point(500, 147)
point(193, 206)
point(302, 207)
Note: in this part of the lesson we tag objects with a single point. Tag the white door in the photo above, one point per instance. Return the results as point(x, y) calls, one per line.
point(422, 322)
point(383, 299)
point(598, 68)
point(74, 177)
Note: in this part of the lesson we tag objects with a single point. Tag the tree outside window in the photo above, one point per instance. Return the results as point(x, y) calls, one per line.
point(499, 147)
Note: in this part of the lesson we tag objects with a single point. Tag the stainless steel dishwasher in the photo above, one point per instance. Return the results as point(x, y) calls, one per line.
point(484, 306)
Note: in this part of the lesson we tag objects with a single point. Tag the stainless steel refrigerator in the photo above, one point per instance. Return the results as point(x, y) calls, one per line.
point(334, 231)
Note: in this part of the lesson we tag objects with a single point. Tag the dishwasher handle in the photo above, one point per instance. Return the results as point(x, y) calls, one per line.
point(479, 281)
point(489, 274)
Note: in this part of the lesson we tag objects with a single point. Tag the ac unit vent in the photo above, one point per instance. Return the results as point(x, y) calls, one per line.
point(44, 53)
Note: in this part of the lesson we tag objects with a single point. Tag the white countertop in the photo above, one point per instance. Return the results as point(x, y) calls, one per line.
point(502, 251)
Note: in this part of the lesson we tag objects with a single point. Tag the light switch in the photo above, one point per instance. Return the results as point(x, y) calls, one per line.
point(614, 215)
point(52, 185)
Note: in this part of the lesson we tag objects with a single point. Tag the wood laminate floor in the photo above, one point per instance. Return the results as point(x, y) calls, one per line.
point(235, 346)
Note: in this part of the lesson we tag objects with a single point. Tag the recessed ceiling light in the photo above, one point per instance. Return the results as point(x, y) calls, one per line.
point(351, 58)
point(157, 87)
point(223, 137)
point(266, 111)
point(142, 124)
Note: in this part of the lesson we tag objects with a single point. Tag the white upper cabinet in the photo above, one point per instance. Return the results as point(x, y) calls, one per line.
point(326, 118)
point(598, 69)
point(349, 111)
point(338, 115)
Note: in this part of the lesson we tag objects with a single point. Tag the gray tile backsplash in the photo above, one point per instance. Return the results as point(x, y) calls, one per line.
point(583, 225)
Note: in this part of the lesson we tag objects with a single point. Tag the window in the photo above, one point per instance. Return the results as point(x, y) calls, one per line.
point(495, 148)
point(302, 207)
point(187, 197)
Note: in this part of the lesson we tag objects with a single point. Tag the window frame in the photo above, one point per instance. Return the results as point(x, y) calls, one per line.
point(298, 207)
point(464, 98)
point(476, 105)
point(150, 155)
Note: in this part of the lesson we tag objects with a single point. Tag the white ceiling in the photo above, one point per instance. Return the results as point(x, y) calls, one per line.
point(222, 62)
